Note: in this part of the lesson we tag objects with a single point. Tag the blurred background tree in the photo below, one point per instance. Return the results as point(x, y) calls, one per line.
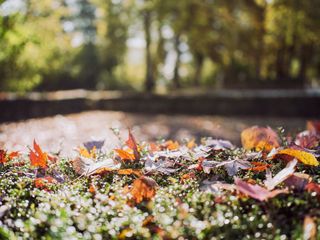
point(158, 44)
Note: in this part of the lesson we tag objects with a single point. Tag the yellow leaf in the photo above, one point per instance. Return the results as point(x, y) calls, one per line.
point(259, 138)
point(302, 156)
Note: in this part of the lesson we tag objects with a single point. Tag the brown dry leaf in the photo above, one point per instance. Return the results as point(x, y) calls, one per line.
point(143, 188)
point(132, 143)
point(309, 228)
point(259, 138)
point(302, 156)
point(38, 158)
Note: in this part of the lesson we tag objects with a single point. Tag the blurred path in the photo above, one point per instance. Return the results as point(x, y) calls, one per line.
point(67, 132)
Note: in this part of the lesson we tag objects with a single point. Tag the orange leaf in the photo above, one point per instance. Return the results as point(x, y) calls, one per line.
point(43, 181)
point(191, 144)
point(38, 158)
point(85, 153)
point(3, 156)
point(125, 155)
point(131, 143)
point(143, 188)
point(129, 172)
point(153, 147)
point(259, 138)
point(170, 145)
point(259, 167)
point(92, 189)
point(13, 155)
point(187, 176)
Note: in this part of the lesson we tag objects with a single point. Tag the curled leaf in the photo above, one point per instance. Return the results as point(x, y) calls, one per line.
point(259, 138)
point(302, 156)
point(271, 182)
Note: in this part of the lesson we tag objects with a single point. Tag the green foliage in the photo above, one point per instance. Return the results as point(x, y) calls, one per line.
point(84, 43)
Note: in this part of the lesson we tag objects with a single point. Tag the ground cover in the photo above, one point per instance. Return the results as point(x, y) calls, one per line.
point(269, 188)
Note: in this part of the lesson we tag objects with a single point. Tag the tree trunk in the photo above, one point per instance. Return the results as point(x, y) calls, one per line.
point(176, 75)
point(149, 78)
point(199, 60)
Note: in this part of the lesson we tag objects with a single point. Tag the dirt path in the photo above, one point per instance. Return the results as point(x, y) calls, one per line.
point(67, 132)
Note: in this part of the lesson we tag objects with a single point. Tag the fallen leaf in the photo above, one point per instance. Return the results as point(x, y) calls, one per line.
point(92, 189)
point(302, 156)
point(170, 145)
point(255, 191)
point(155, 164)
point(130, 172)
point(218, 144)
point(3, 156)
point(125, 154)
point(37, 157)
point(191, 144)
point(187, 176)
point(87, 166)
point(313, 187)
point(307, 139)
point(132, 143)
point(272, 182)
point(153, 147)
point(231, 166)
point(143, 189)
point(309, 228)
point(313, 126)
point(298, 181)
point(216, 187)
point(259, 138)
point(93, 144)
point(259, 167)
point(13, 155)
point(43, 182)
